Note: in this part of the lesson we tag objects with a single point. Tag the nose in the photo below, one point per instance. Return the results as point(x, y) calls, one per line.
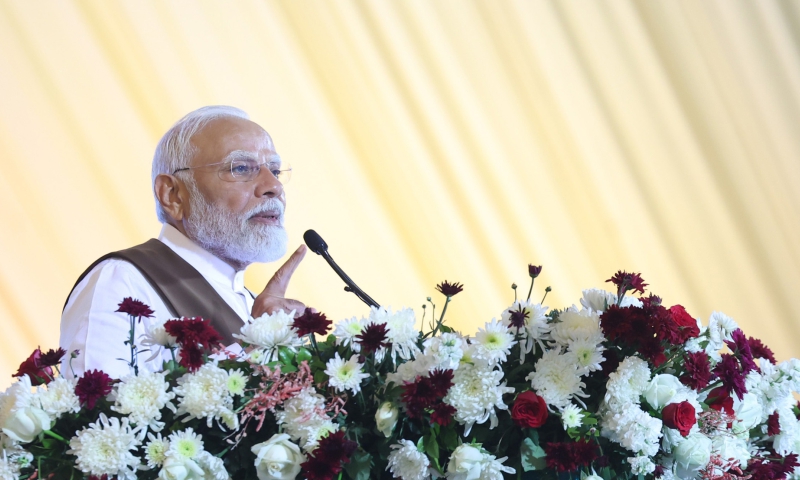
point(267, 185)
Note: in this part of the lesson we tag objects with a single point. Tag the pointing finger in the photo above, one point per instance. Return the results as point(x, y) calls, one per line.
point(279, 282)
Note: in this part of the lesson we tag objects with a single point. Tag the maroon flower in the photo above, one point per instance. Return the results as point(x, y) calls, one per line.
point(449, 289)
point(517, 318)
point(441, 381)
point(311, 322)
point(93, 386)
point(443, 414)
point(325, 462)
point(570, 456)
point(374, 336)
point(698, 371)
point(529, 410)
point(731, 375)
point(426, 392)
point(759, 350)
point(316, 469)
point(680, 416)
point(741, 349)
point(36, 369)
point(627, 281)
point(772, 468)
point(534, 270)
point(191, 357)
point(52, 357)
point(193, 331)
point(720, 400)
point(134, 308)
point(773, 425)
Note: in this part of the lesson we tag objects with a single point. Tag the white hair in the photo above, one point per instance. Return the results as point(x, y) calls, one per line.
point(175, 149)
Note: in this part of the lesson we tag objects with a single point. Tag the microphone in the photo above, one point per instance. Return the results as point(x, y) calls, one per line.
point(317, 245)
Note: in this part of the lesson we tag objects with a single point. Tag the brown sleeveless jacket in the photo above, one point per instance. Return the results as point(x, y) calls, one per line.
point(185, 292)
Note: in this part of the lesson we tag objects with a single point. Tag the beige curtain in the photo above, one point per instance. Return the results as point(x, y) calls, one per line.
point(431, 140)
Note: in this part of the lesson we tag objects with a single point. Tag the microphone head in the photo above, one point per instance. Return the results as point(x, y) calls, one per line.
point(315, 242)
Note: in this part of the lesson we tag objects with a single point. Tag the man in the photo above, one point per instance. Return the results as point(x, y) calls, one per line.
point(218, 191)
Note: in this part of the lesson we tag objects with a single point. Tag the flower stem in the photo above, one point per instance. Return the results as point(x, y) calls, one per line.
point(53, 434)
point(546, 291)
point(441, 318)
point(530, 290)
point(133, 347)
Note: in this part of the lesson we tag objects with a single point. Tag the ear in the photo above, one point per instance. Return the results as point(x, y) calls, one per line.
point(172, 195)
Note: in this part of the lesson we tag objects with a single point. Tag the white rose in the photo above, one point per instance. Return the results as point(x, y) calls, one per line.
point(277, 458)
point(21, 415)
point(465, 463)
point(731, 448)
point(694, 452)
point(748, 412)
point(662, 389)
point(386, 418)
point(180, 468)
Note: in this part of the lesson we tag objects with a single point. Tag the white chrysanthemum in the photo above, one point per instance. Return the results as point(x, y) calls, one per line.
point(185, 443)
point(627, 383)
point(186, 459)
point(155, 451)
point(720, 327)
point(408, 463)
point(401, 330)
point(205, 394)
point(13, 459)
point(446, 350)
point(494, 342)
point(270, 331)
point(59, 397)
point(536, 329)
point(576, 325)
point(345, 375)
point(476, 393)
point(556, 379)
point(571, 417)
point(104, 448)
point(634, 429)
point(597, 299)
point(141, 397)
point(237, 380)
point(587, 354)
point(346, 331)
point(303, 418)
point(492, 468)
point(156, 338)
point(641, 465)
point(409, 371)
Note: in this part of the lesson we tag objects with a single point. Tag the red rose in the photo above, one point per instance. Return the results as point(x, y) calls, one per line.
point(720, 400)
point(687, 326)
point(529, 410)
point(680, 416)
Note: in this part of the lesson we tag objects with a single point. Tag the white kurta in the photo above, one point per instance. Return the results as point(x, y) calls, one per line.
point(91, 324)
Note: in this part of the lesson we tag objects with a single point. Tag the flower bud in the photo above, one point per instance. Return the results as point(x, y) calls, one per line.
point(386, 418)
point(277, 458)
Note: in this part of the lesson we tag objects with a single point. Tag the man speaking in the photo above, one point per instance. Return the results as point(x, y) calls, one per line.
point(218, 187)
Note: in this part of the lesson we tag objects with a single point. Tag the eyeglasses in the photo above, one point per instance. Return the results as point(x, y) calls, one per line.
point(247, 169)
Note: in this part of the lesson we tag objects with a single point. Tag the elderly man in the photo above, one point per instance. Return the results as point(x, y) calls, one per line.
point(218, 186)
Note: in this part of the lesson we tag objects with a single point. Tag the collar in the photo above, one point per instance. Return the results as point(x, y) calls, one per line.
point(210, 266)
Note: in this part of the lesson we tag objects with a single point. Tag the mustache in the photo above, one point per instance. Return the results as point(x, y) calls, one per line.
point(270, 205)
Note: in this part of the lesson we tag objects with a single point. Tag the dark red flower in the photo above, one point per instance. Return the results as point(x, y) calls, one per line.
point(443, 414)
point(759, 350)
point(134, 308)
point(698, 370)
point(311, 322)
point(772, 468)
point(316, 469)
point(517, 318)
point(570, 456)
point(52, 357)
point(680, 416)
point(627, 281)
point(741, 349)
point(686, 325)
point(773, 425)
point(93, 386)
point(529, 410)
point(36, 369)
point(731, 375)
point(449, 289)
point(335, 449)
point(534, 270)
point(193, 331)
point(191, 357)
point(720, 400)
point(441, 380)
point(374, 336)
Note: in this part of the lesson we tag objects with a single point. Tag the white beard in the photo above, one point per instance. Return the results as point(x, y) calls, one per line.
point(231, 236)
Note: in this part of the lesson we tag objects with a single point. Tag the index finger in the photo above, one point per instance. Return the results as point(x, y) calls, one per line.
point(279, 282)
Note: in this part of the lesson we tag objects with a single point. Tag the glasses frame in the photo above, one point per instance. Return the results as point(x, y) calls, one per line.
point(230, 162)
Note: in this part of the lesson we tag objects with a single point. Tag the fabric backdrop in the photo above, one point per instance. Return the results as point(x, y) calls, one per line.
point(430, 139)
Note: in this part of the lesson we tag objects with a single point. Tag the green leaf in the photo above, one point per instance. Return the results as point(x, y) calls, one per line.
point(432, 446)
point(288, 368)
point(286, 356)
point(532, 456)
point(450, 438)
point(359, 466)
point(303, 355)
point(320, 377)
point(445, 329)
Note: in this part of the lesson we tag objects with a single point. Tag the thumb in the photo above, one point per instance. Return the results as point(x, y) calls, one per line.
point(279, 282)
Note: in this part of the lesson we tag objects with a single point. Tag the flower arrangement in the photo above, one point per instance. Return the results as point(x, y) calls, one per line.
point(619, 386)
